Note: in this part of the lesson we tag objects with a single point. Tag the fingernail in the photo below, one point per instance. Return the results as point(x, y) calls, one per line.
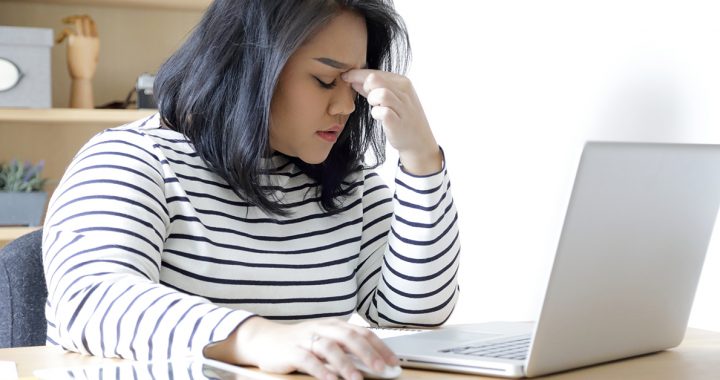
point(344, 76)
point(357, 376)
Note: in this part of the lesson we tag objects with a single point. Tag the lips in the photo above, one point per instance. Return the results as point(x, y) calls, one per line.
point(331, 134)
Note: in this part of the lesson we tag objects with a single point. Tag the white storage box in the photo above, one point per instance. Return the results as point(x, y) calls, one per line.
point(28, 49)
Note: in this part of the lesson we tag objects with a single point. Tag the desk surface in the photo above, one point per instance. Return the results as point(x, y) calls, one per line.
point(696, 358)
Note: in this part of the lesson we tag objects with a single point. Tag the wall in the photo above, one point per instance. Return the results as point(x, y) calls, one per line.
point(514, 88)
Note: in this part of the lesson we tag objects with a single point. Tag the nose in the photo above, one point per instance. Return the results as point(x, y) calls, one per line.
point(343, 100)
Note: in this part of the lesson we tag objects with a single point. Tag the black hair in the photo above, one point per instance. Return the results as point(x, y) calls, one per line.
point(216, 89)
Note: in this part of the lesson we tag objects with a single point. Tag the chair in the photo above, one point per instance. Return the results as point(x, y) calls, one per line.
point(22, 292)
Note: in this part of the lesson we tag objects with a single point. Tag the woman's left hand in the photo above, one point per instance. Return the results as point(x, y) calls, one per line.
point(396, 105)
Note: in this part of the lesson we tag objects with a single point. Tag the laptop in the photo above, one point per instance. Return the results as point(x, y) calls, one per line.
point(630, 255)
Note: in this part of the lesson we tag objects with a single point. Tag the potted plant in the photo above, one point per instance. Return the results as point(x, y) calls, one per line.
point(22, 199)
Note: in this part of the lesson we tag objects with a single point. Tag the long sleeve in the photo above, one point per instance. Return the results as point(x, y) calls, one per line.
point(103, 237)
point(409, 260)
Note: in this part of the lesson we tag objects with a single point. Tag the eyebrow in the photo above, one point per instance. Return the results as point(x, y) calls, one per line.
point(335, 64)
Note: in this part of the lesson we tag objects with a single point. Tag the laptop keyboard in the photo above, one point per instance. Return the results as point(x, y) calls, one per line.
point(516, 349)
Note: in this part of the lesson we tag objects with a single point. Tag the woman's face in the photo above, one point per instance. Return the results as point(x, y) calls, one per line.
point(311, 102)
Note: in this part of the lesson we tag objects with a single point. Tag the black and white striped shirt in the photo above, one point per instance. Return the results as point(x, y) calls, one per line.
point(149, 254)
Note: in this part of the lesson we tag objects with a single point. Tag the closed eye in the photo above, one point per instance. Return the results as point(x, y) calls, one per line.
point(326, 85)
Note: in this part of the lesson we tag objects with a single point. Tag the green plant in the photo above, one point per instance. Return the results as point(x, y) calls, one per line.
point(21, 176)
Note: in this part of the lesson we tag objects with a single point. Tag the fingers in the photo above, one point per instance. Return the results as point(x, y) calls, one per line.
point(93, 28)
point(370, 349)
point(386, 115)
point(378, 346)
point(336, 358)
point(362, 80)
point(366, 80)
point(87, 28)
point(76, 20)
point(383, 97)
point(309, 363)
point(80, 26)
point(320, 348)
point(385, 106)
point(358, 87)
point(63, 35)
point(359, 79)
point(389, 94)
point(84, 25)
point(385, 352)
point(357, 341)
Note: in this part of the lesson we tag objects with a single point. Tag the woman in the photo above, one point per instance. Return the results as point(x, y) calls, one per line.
point(242, 222)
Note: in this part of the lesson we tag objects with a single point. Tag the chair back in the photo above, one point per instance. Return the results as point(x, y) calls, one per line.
point(22, 292)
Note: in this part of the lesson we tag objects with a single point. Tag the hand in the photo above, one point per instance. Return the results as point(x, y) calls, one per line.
point(396, 105)
point(82, 55)
point(305, 347)
point(83, 46)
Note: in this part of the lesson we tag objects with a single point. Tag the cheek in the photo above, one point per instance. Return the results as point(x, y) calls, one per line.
point(304, 108)
point(298, 105)
point(295, 116)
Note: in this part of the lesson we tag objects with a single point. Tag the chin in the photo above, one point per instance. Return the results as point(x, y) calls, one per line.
point(314, 159)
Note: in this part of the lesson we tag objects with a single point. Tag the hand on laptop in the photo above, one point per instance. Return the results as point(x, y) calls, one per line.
point(305, 347)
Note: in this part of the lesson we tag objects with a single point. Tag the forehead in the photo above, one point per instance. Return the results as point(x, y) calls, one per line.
point(343, 39)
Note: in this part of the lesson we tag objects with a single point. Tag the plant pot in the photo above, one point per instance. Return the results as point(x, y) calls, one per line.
point(22, 209)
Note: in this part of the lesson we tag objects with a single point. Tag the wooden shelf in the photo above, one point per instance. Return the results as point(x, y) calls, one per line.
point(71, 116)
point(191, 5)
point(54, 135)
point(146, 30)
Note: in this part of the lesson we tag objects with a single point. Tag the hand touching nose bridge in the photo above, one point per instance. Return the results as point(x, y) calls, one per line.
point(395, 104)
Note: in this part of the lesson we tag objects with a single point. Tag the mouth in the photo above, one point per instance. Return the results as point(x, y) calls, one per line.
point(331, 134)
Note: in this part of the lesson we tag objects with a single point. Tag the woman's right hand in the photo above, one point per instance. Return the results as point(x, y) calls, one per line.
point(306, 347)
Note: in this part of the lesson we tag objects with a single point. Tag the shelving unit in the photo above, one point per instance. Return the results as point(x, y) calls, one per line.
point(192, 5)
point(52, 135)
point(70, 116)
point(55, 135)
point(136, 36)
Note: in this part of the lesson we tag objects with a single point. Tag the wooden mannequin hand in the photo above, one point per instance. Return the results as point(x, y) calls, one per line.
point(82, 54)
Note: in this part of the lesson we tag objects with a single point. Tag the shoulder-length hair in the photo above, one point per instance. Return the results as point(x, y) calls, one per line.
point(217, 88)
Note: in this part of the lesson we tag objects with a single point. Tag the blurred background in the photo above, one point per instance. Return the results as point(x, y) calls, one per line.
point(513, 89)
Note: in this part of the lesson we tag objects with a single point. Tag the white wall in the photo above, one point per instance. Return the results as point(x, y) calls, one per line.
point(513, 88)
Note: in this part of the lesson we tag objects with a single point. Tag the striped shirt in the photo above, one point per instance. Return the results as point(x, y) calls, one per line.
point(149, 254)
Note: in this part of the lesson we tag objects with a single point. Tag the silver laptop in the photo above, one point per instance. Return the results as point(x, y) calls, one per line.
point(626, 268)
